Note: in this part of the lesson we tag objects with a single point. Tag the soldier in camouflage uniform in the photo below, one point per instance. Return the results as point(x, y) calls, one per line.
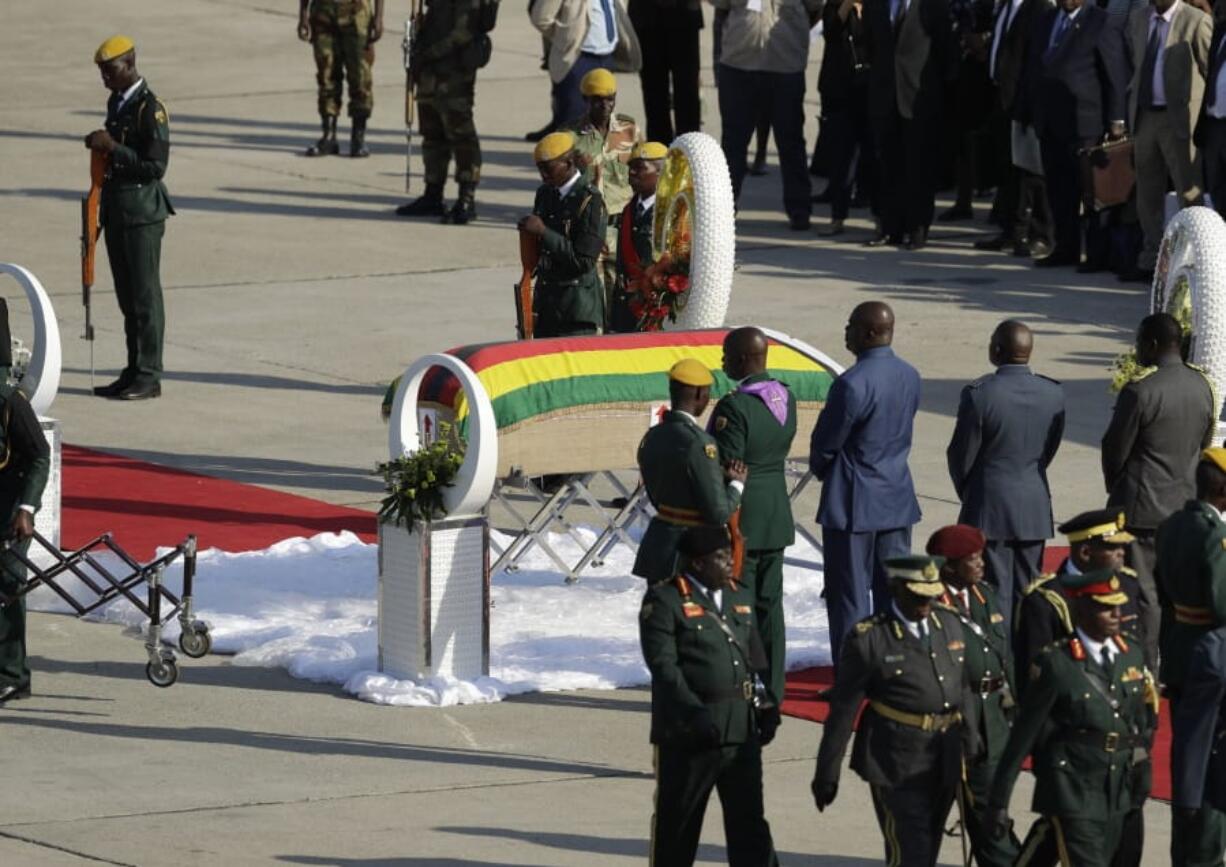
point(604, 141)
point(343, 34)
point(447, 52)
point(133, 212)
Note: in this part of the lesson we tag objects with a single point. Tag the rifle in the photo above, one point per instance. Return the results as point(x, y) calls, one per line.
point(529, 256)
point(89, 241)
point(410, 88)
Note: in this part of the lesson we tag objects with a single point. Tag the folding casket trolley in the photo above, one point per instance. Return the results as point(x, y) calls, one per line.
point(104, 586)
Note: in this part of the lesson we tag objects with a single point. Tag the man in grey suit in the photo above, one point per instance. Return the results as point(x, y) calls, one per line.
point(1009, 427)
point(1151, 448)
point(1169, 48)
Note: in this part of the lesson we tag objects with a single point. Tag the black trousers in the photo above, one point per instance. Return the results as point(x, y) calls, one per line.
point(743, 95)
point(669, 41)
point(684, 780)
point(1213, 154)
point(1063, 181)
point(905, 154)
point(13, 668)
point(1142, 557)
point(850, 147)
point(912, 819)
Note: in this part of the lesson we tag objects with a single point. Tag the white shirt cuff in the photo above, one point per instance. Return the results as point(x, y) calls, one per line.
point(26, 507)
point(737, 485)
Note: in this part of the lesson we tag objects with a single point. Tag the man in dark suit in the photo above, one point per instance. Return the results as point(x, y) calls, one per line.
point(908, 661)
point(668, 36)
point(859, 452)
point(1006, 58)
point(1074, 93)
point(1210, 134)
point(1198, 762)
point(910, 40)
point(1151, 448)
point(1009, 427)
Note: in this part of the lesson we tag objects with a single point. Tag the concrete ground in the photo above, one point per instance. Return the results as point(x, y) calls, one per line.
point(293, 296)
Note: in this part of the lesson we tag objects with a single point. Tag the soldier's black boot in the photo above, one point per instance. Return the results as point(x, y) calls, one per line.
point(428, 204)
point(326, 145)
point(465, 208)
point(357, 138)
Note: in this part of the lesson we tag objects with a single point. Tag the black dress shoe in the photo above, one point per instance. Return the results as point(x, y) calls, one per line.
point(140, 391)
point(917, 240)
point(800, 223)
point(1056, 260)
point(997, 242)
point(539, 134)
point(114, 388)
point(957, 212)
point(881, 239)
point(13, 692)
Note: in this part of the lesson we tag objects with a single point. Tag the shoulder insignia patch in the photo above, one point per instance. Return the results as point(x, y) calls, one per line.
point(711, 451)
point(721, 423)
point(160, 114)
point(1224, 544)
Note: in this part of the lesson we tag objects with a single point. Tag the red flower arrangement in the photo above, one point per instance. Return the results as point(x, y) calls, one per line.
point(661, 292)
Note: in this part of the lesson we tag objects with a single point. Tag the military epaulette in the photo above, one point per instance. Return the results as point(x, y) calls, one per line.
point(1125, 570)
point(1038, 582)
point(1140, 374)
point(1076, 649)
point(975, 383)
point(1048, 378)
point(868, 623)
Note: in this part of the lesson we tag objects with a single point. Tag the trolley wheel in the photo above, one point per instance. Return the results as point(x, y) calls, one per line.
point(195, 643)
point(163, 673)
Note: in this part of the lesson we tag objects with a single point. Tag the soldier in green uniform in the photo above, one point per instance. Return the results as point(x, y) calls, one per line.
point(1087, 717)
point(22, 479)
point(708, 721)
point(569, 219)
point(603, 142)
point(681, 470)
point(343, 34)
point(1190, 574)
point(449, 48)
point(756, 424)
point(989, 664)
point(909, 663)
point(1097, 540)
point(133, 213)
point(635, 253)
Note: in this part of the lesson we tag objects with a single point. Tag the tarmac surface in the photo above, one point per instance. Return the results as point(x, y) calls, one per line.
point(293, 295)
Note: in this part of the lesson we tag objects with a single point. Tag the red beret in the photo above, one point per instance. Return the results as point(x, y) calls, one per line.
point(956, 541)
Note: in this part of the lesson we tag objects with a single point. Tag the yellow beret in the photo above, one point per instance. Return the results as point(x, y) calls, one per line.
point(649, 150)
point(116, 46)
point(1215, 456)
point(598, 82)
point(691, 371)
point(554, 145)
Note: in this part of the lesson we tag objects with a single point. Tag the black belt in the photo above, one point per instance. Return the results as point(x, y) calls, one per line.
point(989, 685)
point(1108, 742)
point(744, 692)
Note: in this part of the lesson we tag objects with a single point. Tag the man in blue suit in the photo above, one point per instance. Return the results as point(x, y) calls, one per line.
point(859, 451)
point(1075, 83)
point(1010, 424)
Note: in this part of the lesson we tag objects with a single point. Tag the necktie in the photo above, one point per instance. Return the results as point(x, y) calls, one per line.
point(609, 27)
point(1215, 68)
point(898, 10)
point(1108, 665)
point(112, 105)
point(1005, 18)
point(1146, 96)
point(1061, 28)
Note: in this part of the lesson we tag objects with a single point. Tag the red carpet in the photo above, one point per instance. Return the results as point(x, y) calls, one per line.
point(146, 505)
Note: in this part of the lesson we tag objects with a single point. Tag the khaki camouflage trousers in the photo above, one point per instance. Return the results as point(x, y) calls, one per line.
point(340, 31)
point(445, 107)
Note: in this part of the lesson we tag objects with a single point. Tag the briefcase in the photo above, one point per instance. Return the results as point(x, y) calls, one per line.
point(1107, 174)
